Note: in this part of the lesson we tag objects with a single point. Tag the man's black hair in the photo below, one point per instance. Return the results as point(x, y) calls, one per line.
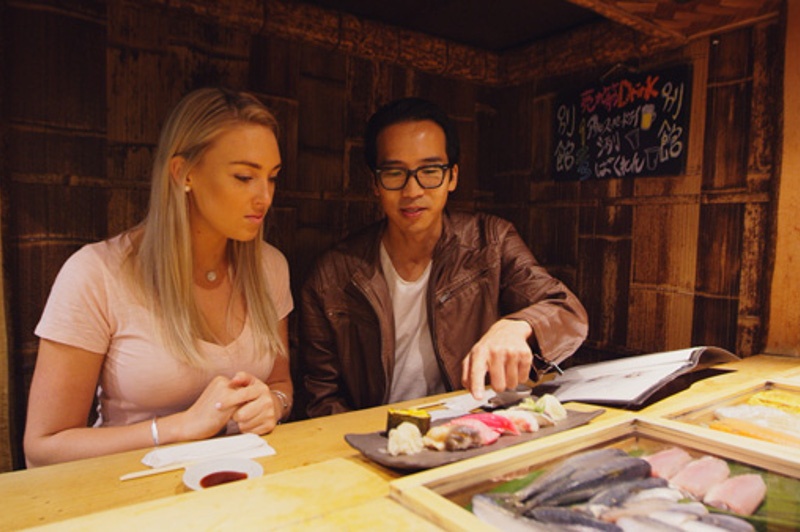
point(409, 110)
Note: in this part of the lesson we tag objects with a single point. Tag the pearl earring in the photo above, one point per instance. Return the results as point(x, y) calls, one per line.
point(187, 188)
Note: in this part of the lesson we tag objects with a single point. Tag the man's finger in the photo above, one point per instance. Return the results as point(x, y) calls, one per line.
point(497, 372)
point(477, 374)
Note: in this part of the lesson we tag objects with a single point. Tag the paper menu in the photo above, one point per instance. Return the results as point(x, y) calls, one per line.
point(631, 380)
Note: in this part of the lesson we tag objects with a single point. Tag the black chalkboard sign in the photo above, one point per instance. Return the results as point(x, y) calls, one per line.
point(636, 125)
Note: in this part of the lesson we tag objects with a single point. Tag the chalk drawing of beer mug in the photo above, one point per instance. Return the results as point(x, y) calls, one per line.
point(648, 115)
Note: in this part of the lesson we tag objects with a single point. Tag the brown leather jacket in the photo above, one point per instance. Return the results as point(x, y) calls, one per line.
point(482, 271)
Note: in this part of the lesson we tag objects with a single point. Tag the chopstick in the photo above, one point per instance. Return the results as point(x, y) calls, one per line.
point(429, 405)
point(153, 471)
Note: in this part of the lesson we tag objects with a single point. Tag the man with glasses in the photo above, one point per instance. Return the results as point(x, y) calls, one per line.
point(427, 301)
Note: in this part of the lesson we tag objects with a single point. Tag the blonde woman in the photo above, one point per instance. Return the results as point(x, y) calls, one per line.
point(178, 325)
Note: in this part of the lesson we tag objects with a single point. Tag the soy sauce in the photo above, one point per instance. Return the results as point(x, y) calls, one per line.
point(221, 477)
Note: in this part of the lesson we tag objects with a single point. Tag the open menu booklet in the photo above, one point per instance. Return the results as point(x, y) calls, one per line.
point(631, 381)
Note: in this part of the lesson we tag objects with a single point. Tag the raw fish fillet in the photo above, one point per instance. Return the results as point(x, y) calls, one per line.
point(499, 424)
point(697, 477)
point(741, 494)
point(668, 462)
point(487, 434)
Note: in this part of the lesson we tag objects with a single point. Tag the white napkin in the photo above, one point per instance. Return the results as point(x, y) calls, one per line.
point(241, 445)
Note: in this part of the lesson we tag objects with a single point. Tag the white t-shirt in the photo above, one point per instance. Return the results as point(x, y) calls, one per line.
point(416, 372)
point(91, 308)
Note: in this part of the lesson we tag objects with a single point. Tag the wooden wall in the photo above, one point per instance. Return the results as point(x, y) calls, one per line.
point(660, 263)
point(784, 333)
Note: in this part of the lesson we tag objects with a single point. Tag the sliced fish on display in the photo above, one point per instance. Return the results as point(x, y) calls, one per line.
point(568, 467)
point(668, 462)
point(697, 477)
point(618, 493)
point(741, 494)
point(584, 483)
point(562, 516)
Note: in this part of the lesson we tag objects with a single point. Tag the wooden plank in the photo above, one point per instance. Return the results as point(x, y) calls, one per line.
point(54, 84)
point(605, 289)
point(665, 245)
point(376, 514)
point(719, 249)
point(725, 160)
point(626, 17)
point(659, 318)
point(715, 321)
point(282, 499)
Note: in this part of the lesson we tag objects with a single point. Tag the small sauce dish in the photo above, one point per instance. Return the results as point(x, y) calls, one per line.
point(203, 475)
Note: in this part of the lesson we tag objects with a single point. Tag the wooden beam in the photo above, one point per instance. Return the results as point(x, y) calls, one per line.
point(610, 10)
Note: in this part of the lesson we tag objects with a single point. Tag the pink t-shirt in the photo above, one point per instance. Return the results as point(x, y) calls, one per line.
point(91, 308)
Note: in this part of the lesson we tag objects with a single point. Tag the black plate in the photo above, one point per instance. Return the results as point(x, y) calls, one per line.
point(373, 444)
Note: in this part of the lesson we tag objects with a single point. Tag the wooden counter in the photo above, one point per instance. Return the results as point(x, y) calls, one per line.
point(330, 492)
point(313, 451)
point(54, 493)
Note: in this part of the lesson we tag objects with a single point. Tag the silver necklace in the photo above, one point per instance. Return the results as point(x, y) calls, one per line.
point(211, 276)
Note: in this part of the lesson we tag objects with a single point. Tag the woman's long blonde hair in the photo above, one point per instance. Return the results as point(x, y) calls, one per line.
point(163, 258)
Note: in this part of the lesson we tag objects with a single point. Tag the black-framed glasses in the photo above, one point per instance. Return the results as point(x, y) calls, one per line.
point(428, 176)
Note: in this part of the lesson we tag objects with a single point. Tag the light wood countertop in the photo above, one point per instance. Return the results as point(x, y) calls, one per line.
point(61, 492)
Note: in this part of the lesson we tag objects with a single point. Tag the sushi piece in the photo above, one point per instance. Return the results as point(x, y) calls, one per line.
point(537, 407)
point(405, 439)
point(741, 494)
point(668, 462)
point(486, 434)
point(697, 477)
point(499, 424)
point(452, 437)
point(524, 421)
point(549, 405)
point(420, 418)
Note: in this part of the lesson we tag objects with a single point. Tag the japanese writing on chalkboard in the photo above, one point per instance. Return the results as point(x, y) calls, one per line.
point(637, 125)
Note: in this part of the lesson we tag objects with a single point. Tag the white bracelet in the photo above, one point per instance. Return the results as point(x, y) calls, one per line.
point(284, 400)
point(154, 431)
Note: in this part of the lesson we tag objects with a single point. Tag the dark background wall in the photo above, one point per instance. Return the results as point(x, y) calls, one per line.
point(660, 263)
